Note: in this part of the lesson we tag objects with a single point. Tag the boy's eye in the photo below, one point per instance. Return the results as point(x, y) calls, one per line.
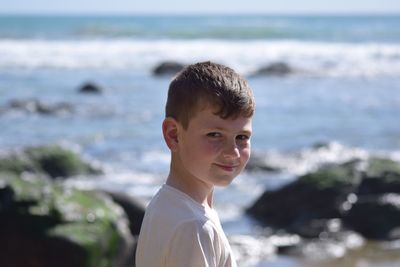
point(243, 137)
point(214, 134)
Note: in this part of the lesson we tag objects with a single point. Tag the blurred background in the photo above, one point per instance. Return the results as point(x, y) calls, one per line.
point(87, 81)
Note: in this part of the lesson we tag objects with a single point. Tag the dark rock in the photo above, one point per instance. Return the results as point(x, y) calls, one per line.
point(364, 195)
point(168, 68)
point(58, 108)
point(28, 105)
point(260, 163)
point(133, 208)
point(387, 183)
point(36, 106)
point(54, 161)
point(316, 227)
point(321, 144)
point(376, 217)
point(318, 195)
point(381, 176)
point(6, 197)
point(22, 248)
point(90, 88)
point(275, 69)
point(297, 204)
point(49, 225)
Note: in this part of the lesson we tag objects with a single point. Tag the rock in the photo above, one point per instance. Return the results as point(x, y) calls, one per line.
point(36, 106)
point(275, 69)
point(318, 195)
point(376, 217)
point(387, 183)
point(28, 105)
point(57, 161)
point(363, 195)
point(133, 208)
point(6, 196)
point(382, 166)
point(46, 224)
point(317, 228)
point(260, 163)
point(168, 68)
point(16, 163)
point(22, 248)
point(380, 177)
point(90, 88)
point(54, 161)
point(341, 176)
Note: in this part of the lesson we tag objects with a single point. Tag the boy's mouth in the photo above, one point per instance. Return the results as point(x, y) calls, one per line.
point(227, 167)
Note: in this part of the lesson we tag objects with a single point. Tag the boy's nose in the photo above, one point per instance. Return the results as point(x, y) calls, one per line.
point(231, 151)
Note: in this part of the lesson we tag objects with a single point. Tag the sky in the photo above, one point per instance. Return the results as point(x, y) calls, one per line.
point(202, 6)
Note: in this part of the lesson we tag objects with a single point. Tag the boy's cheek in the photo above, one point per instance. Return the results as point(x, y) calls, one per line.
point(211, 148)
point(246, 154)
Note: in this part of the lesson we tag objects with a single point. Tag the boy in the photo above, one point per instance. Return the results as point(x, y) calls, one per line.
point(207, 129)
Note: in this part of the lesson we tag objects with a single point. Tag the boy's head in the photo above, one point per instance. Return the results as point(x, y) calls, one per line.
point(208, 84)
point(208, 125)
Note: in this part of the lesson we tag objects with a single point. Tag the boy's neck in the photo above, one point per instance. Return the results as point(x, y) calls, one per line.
point(197, 190)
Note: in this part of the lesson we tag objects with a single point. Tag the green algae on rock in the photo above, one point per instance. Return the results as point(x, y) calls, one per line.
point(53, 160)
point(88, 223)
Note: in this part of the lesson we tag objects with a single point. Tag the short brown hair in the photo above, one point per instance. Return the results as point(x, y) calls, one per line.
point(208, 83)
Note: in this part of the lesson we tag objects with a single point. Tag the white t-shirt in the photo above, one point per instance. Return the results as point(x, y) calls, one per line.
point(177, 231)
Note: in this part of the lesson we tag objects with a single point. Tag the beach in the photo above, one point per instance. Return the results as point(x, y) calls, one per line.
point(338, 100)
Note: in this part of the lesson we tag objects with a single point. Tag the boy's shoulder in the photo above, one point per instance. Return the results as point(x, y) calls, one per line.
point(175, 222)
point(173, 210)
point(170, 202)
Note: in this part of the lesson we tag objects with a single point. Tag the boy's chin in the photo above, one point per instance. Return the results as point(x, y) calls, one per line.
point(224, 182)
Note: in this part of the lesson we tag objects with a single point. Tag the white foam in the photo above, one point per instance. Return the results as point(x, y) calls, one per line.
point(142, 185)
point(333, 59)
point(250, 250)
point(310, 159)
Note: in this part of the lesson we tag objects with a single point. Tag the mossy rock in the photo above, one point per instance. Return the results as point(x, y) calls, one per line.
point(364, 194)
point(380, 177)
point(46, 210)
point(331, 177)
point(381, 166)
point(317, 195)
point(54, 161)
point(16, 163)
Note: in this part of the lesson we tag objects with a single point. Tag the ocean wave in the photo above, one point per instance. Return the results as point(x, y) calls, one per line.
point(310, 159)
point(315, 58)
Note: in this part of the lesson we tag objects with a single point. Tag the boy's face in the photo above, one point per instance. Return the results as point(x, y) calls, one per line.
point(213, 150)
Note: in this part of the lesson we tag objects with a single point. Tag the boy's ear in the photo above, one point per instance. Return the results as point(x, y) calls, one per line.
point(170, 132)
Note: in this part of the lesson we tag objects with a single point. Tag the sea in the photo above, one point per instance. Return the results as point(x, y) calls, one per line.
point(341, 102)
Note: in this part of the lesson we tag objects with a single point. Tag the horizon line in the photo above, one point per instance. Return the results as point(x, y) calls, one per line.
point(194, 13)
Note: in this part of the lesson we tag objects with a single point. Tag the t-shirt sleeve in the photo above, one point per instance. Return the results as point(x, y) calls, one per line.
point(192, 246)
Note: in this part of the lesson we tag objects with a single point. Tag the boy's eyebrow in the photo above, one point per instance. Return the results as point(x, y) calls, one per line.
point(248, 132)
